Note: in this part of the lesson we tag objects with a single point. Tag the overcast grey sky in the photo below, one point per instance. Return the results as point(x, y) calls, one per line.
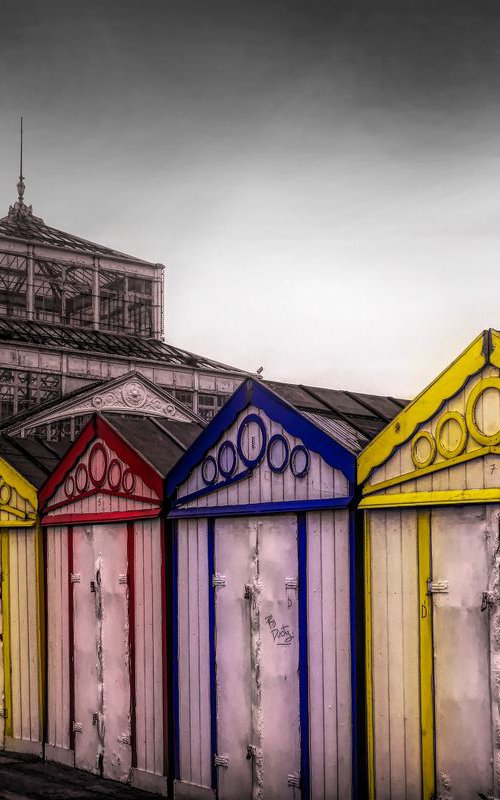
point(321, 179)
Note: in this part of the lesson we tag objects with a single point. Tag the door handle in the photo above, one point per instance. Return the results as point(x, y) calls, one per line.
point(424, 611)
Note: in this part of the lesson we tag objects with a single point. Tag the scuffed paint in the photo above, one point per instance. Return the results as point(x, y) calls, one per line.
point(99, 716)
point(445, 794)
point(256, 753)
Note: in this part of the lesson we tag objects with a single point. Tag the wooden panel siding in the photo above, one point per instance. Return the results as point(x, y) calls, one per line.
point(329, 653)
point(265, 486)
point(193, 653)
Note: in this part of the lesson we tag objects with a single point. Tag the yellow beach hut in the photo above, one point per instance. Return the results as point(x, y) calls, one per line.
point(430, 493)
point(24, 466)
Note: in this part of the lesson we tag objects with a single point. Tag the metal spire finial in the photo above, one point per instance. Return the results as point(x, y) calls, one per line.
point(20, 186)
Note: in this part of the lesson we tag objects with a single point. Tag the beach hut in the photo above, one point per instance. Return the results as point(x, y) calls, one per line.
point(430, 486)
point(106, 596)
point(24, 466)
point(264, 616)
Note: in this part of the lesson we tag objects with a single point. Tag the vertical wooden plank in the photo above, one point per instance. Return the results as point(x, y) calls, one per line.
point(31, 601)
point(411, 679)
point(426, 655)
point(51, 648)
point(334, 705)
point(395, 652)
point(131, 642)
point(368, 655)
point(148, 649)
point(380, 663)
point(6, 629)
point(183, 581)
point(158, 611)
point(315, 653)
point(204, 654)
point(141, 711)
point(194, 652)
point(19, 655)
point(40, 619)
point(339, 523)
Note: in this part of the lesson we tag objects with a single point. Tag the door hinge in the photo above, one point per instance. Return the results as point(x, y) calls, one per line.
point(77, 727)
point(3, 713)
point(122, 578)
point(488, 599)
point(74, 578)
point(221, 761)
point(437, 587)
point(294, 780)
point(291, 583)
point(218, 580)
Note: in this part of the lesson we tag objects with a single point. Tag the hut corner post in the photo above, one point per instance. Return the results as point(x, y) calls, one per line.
point(426, 656)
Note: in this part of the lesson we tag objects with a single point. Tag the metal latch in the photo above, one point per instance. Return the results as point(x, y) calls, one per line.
point(218, 580)
point(294, 780)
point(77, 727)
point(291, 583)
point(74, 578)
point(221, 761)
point(437, 587)
point(92, 586)
point(95, 718)
point(251, 751)
point(123, 579)
point(248, 592)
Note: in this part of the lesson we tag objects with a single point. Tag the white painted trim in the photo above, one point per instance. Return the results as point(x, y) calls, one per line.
point(191, 791)
point(149, 782)
point(60, 754)
point(23, 746)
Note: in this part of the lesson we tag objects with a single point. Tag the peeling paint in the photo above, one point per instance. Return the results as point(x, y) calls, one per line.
point(100, 724)
point(494, 621)
point(256, 661)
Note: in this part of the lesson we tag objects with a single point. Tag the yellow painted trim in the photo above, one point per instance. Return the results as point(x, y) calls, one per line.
point(23, 487)
point(368, 658)
point(444, 498)
point(426, 659)
point(40, 595)
point(495, 348)
point(420, 473)
point(443, 450)
point(425, 405)
point(4, 536)
point(16, 513)
point(429, 438)
point(17, 523)
point(470, 412)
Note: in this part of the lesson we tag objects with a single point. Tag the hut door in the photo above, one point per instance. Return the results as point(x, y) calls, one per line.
point(461, 652)
point(257, 658)
point(102, 681)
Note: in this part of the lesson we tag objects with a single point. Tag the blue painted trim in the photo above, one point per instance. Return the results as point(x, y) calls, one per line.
point(251, 462)
point(211, 633)
point(277, 409)
point(299, 448)
point(278, 437)
point(209, 460)
point(227, 445)
point(175, 647)
point(353, 631)
point(303, 657)
point(292, 506)
point(214, 488)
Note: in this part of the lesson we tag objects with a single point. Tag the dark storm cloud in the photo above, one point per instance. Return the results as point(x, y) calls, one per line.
point(328, 159)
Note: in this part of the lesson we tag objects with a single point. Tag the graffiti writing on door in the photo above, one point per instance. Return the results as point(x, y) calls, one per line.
point(281, 635)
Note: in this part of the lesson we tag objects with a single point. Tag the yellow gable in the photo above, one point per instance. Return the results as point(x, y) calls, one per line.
point(448, 438)
point(18, 497)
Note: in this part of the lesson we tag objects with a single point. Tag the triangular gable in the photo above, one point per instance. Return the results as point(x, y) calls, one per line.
point(18, 497)
point(132, 393)
point(454, 421)
point(101, 474)
point(254, 439)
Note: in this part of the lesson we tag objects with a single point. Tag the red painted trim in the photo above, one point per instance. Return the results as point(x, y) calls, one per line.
point(71, 641)
point(99, 427)
point(76, 450)
point(108, 516)
point(164, 643)
point(131, 629)
point(91, 492)
point(132, 458)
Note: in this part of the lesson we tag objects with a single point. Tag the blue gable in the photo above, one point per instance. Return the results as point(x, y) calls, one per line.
point(253, 392)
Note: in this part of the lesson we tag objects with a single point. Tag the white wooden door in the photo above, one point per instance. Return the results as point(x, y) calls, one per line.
point(101, 651)
point(464, 748)
point(257, 658)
